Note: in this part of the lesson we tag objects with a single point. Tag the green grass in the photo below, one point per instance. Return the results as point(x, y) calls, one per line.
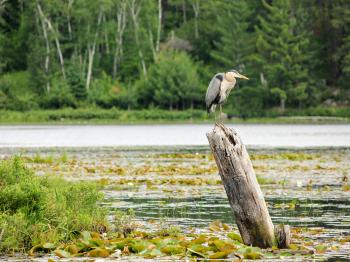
point(116, 116)
point(36, 210)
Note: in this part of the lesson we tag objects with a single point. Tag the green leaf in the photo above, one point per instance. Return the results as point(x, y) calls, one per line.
point(49, 246)
point(196, 253)
point(235, 236)
point(62, 253)
point(86, 235)
point(98, 252)
point(221, 254)
point(34, 249)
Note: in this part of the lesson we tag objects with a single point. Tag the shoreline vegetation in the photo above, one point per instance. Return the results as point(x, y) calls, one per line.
point(317, 115)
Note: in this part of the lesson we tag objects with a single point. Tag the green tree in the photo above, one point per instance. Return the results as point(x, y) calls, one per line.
point(233, 43)
point(281, 50)
point(172, 82)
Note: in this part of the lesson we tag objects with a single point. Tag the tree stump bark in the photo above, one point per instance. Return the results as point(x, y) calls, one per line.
point(242, 188)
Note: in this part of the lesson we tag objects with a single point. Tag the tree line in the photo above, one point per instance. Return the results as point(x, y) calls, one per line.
point(134, 54)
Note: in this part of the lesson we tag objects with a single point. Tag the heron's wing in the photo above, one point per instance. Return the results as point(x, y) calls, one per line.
point(213, 91)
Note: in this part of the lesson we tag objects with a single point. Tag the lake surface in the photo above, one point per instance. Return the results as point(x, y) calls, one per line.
point(259, 135)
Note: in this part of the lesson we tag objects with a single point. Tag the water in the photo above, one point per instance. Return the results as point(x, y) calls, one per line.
point(331, 214)
point(261, 135)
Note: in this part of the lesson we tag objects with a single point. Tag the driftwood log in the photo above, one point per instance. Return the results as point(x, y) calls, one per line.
point(243, 191)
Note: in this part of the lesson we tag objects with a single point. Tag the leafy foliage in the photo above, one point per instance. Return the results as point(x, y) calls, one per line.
point(35, 210)
point(172, 82)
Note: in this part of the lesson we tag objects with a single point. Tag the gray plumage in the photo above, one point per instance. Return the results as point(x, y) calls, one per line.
point(212, 97)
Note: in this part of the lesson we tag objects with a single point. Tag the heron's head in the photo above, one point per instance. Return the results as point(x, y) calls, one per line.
point(232, 74)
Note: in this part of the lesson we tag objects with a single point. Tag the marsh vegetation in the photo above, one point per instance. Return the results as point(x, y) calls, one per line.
point(175, 196)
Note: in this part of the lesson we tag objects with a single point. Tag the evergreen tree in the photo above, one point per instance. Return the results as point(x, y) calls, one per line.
point(234, 43)
point(282, 52)
point(77, 84)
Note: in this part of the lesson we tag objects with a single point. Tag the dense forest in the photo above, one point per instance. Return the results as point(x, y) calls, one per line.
point(136, 54)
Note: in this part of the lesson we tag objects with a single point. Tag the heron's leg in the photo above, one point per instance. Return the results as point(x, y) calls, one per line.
point(220, 112)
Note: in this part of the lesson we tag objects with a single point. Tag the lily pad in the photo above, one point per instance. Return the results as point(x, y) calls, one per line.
point(235, 236)
point(62, 253)
point(98, 252)
point(196, 253)
point(221, 254)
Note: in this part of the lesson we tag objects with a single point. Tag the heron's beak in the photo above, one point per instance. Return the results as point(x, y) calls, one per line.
point(242, 76)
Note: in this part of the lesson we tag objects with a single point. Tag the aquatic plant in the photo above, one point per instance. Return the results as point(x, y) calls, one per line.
point(218, 241)
point(36, 210)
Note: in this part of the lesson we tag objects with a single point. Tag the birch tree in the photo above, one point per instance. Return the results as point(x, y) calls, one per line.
point(55, 34)
point(69, 18)
point(47, 45)
point(92, 50)
point(121, 23)
point(159, 29)
point(195, 6)
point(135, 8)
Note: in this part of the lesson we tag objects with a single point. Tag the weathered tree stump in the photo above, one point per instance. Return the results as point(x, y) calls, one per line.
point(242, 189)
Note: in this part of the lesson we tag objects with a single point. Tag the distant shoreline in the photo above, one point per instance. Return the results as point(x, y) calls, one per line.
point(114, 116)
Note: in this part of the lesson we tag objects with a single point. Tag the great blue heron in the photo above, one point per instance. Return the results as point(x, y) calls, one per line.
point(219, 88)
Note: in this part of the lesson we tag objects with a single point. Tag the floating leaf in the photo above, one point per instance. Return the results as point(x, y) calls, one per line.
point(200, 240)
point(86, 235)
point(221, 254)
point(215, 225)
point(96, 242)
point(49, 246)
point(285, 254)
point(293, 247)
point(152, 253)
point(235, 236)
point(98, 252)
point(223, 245)
point(73, 249)
point(95, 235)
point(35, 249)
point(138, 246)
point(253, 255)
point(62, 253)
point(320, 249)
point(173, 249)
point(119, 244)
point(196, 253)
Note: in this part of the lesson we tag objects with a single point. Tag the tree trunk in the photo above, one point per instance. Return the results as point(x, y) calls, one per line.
point(70, 4)
point(91, 52)
point(151, 43)
point(184, 12)
point(106, 36)
point(159, 29)
point(283, 105)
point(121, 23)
point(57, 42)
point(195, 7)
point(47, 43)
point(135, 10)
point(242, 188)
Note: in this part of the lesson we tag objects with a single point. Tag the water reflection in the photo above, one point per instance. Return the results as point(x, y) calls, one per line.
point(198, 212)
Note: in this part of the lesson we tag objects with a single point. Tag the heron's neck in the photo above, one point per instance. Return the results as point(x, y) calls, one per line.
point(229, 77)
